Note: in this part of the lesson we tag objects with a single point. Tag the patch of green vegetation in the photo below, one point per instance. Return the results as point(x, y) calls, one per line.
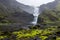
point(58, 38)
point(2, 37)
point(26, 34)
point(32, 33)
point(43, 34)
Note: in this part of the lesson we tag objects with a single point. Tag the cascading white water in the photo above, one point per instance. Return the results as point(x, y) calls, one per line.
point(35, 14)
point(36, 4)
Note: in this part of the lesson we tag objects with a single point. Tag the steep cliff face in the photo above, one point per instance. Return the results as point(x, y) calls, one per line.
point(12, 11)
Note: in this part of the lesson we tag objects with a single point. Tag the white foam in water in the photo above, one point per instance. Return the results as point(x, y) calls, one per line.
point(35, 14)
point(35, 4)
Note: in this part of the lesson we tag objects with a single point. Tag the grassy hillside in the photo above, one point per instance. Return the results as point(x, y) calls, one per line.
point(50, 16)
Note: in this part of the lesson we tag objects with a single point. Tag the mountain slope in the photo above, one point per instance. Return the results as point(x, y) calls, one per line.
point(12, 16)
point(50, 14)
point(50, 5)
point(12, 9)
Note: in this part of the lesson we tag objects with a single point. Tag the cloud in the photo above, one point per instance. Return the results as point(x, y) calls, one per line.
point(34, 2)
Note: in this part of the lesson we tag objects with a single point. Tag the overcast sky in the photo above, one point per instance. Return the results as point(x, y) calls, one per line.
point(34, 2)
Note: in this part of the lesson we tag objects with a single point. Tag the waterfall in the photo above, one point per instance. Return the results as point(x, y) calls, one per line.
point(35, 14)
